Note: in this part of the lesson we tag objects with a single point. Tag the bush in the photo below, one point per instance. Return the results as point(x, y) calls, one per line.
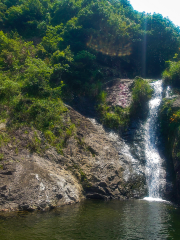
point(170, 128)
point(13, 53)
point(113, 117)
point(172, 74)
point(36, 78)
point(114, 120)
point(8, 88)
point(102, 97)
point(141, 93)
point(169, 119)
point(40, 113)
point(46, 115)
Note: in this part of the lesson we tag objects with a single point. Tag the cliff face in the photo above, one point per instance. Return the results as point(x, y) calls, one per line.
point(118, 92)
point(169, 123)
point(174, 145)
point(92, 165)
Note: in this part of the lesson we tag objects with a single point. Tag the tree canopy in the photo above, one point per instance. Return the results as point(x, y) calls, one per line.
point(82, 42)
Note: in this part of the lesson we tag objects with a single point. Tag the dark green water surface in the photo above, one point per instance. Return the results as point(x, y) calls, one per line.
point(133, 219)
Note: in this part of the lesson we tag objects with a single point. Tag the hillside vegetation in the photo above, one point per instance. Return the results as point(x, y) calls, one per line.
point(51, 50)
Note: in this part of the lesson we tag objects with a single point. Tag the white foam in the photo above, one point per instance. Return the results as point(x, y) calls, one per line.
point(151, 199)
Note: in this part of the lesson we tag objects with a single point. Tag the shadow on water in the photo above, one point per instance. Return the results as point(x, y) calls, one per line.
point(133, 219)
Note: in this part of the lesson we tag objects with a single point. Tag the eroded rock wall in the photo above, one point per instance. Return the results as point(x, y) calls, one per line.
point(92, 165)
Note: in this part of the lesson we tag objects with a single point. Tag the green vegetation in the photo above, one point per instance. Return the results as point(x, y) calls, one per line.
point(170, 127)
point(51, 50)
point(171, 75)
point(27, 95)
point(141, 93)
point(1, 156)
point(119, 117)
point(4, 138)
point(34, 144)
point(113, 117)
point(169, 116)
point(166, 116)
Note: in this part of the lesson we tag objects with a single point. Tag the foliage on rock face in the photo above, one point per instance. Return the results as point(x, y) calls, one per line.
point(27, 95)
point(171, 75)
point(169, 116)
point(117, 116)
point(46, 115)
point(170, 127)
point(113, 117)
point(141, 92)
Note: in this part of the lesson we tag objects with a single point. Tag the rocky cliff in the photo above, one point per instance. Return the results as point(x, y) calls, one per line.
point(170, 142)
point(93, 164)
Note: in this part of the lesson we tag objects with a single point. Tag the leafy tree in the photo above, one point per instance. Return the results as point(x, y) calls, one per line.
point(36, 78)
point(162, 43)
point(8, 88)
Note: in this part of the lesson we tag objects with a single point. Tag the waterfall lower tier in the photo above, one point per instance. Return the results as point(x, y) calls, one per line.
point(155, 174)
point(143, 169)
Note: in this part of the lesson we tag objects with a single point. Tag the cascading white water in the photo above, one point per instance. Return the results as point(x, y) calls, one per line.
point(168, 92)
point(155, 174)
point(145, 135)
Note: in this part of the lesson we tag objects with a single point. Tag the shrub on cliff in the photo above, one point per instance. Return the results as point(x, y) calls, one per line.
point(8, 88)
point(172, 74)
point(30, 90)
point(36, 78)
point(118, 117)
point(169, 118)
point(141, 93)
point(46, 115)
point(170, 128)
point(113, 117)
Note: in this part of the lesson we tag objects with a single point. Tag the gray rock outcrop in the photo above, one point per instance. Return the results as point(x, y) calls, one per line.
point(92, 165)
point(118, 92)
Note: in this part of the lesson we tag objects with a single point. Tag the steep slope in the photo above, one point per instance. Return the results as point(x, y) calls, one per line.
point(92, 166)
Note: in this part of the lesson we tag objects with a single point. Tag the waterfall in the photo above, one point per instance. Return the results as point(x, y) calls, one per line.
point(155, 174)
point(168, 92)
point(139, 147)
